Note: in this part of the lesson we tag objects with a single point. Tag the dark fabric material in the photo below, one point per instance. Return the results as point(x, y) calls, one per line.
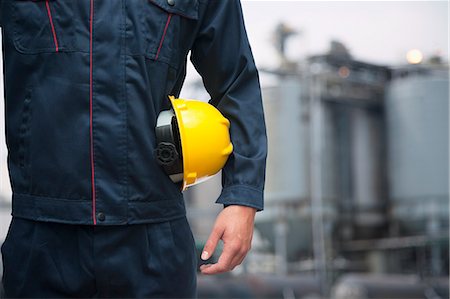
point(1, 4)
point(50, 260)
point(66, 166)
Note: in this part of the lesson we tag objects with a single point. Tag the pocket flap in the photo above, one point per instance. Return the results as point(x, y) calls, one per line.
point(184, 8)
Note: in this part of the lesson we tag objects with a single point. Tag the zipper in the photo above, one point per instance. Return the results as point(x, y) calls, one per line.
point(91, 132)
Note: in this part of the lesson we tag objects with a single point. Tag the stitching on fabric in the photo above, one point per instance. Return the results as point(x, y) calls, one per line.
point(169, 17)
point(52, 198)
point(50, 18)
point(249, 187)
point(124, 99)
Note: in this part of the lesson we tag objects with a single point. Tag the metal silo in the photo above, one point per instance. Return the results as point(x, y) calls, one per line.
point(418, 130)
point(287, 133)
point(287, 181)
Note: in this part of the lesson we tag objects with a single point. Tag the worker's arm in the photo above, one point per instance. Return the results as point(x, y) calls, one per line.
point(222, 56)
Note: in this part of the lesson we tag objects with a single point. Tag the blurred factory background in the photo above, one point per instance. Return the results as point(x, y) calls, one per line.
point(357, 190)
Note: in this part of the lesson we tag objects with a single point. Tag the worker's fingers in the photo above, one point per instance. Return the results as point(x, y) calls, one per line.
point(234, 226)
point(223, 265)
point(232, 255)
point(211, 243)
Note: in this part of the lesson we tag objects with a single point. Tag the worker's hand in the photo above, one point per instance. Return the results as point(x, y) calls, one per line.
point(234, 226)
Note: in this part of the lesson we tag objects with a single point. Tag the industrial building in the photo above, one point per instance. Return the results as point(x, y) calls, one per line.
point(357, 189)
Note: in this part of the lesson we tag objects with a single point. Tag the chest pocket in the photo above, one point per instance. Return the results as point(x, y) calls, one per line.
point(161, 28)
point(43, 26)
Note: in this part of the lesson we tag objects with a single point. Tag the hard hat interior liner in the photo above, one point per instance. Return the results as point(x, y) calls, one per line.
point(168, 151)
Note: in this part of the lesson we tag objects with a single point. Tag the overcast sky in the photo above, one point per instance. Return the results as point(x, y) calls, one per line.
point(374, 31)
point(379, 32)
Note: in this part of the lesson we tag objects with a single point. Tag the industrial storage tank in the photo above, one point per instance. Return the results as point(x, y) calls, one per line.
point(287, 148)
point(417, 108)
point(325, 156)
point(287, 180)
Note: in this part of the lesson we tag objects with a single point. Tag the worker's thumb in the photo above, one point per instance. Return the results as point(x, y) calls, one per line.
point(211, 244)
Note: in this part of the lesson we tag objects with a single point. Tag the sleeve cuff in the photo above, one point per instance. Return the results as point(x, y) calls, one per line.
point(242, 195)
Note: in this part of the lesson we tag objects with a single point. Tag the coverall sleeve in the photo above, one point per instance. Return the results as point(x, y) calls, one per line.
point(1, 9)
point(222, 56)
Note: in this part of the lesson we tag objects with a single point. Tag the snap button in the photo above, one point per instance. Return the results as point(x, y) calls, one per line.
point(171, 2)
point(101, 216)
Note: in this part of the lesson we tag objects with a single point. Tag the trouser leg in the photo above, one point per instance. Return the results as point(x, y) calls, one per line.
point(146, 261)
point(50, 260)
point(47, 260)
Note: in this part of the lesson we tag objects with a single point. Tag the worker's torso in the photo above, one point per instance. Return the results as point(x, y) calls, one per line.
point(84, 83)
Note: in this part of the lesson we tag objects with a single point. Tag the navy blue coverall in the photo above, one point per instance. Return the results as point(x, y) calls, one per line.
point(93, 213)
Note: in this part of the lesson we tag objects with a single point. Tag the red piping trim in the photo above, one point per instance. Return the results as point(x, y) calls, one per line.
point(50, 18)
point(163, 36)
point(91, 135)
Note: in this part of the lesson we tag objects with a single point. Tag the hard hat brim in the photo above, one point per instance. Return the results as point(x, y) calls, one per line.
point(176, 108)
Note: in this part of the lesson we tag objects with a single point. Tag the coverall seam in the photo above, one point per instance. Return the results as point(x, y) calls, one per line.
point(236, 186)
point(125, 102)
point(52, 26)
point(53, 198)
point(241, 203)
point(161, 42)
point(139, 201)
point(92, 84)
point(88, 199)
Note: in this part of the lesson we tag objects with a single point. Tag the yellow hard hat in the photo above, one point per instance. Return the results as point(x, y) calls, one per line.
point(193, 141)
